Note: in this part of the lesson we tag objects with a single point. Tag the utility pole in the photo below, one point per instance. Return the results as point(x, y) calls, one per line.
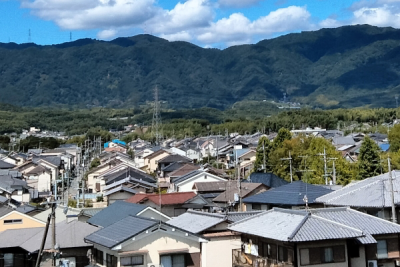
point(264, 162)
point(290, 165)
point(239, 184)
point(156, 124)
point(216, 145)
point(394, 217)
point(334, 173)
point(325, 166)
point(83, 193)
point(305, 198)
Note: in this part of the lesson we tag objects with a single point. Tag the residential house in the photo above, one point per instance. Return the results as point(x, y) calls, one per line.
point(230, 199)
point(151, 161)
point(145, 242)
point(85, 214)
point(93, 181)
point(185, 182)
point(295, 195)
point(213, 226)
point(18, 220)
point(246, 159)
point(170, 159)
point(15, 188)
point(372, 195)
point(23, 251)
point(170, 204)
point(319, 237)
point(120, 210)
point(62, 213)
point(40, 179)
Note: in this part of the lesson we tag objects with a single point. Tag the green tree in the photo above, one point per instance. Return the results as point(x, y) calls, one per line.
point(394, 138)
point(283, 134)
point(368, 159)
point(95, 163)
point(262, 154)
point(131, 153)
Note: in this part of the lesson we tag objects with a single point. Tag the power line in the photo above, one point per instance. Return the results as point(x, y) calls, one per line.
point(290, 164)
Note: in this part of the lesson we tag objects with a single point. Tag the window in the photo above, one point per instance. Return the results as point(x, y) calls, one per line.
point(282, 254)
point(132, 261)
point(111, 260)
point(310, 256)
point(353, 248)
point(382, 252)
point(327, 255)
point(256, 206)
point(177, 260)
point(98, 256)
point(12, 221)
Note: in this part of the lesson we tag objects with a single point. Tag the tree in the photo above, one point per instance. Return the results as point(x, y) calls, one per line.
point(368, 159)
point(95, 162)
point(283, 134)
point(262, 154)
point(394, 138)
point(131, 153)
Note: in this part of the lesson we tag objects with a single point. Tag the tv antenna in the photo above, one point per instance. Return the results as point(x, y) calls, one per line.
point(29, 36)
point(70, 36)
point(156, 124)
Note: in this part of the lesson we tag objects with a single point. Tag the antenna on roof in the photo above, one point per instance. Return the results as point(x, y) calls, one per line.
point(29, 36)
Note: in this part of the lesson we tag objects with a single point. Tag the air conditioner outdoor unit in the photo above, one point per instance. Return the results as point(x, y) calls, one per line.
point(372, 263)
point(153, 265)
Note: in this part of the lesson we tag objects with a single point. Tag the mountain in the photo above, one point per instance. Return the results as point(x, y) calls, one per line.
point(344, 67)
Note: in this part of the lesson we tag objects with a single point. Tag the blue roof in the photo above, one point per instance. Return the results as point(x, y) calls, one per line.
point(289, 195)
point(120, 231)
point(240, 152)
point(116, 141)
point(384, 147)
point(106, 144)
point(115, 212)
point(268, 179)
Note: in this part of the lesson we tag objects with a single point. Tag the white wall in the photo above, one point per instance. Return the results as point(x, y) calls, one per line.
point(187, 186)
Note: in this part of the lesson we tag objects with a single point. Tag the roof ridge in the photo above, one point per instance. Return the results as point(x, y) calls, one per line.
point(209, 214)
point(339, 224)
point(251, 217)
point(297, 229)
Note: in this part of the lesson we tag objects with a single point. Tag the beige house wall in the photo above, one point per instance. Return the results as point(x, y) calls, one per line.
point(360, 261)
point(91, 181)
point(218, 251)
point(27, 221)
point(323, 244)
point(153, 244)
point(187, 186)
point(152, 163)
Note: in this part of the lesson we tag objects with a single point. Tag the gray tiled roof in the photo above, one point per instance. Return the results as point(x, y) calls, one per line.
point(219, 186)
point(268, 179)
point(90, 211)
point(196, 222)
point(3, 199)
point(129, 172)
point(70, 235)
point(377, 189)
point(187, 176)
point(174, 158)
point(238, 216)
point(6, 165)
point(115, 212)
point(316, 224)
point(289, 195)
point(120, 231)
point(118, 189)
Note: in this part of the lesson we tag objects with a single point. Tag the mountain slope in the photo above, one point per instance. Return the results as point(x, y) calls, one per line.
point(344, 67)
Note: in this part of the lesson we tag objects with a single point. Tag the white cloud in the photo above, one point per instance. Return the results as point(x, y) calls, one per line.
point(107, 34)
point(237, 28)
point(179, 36)
point(238, 3)
point(378, 16)
point(189, 15)
point(330, 23)
point(91, 14)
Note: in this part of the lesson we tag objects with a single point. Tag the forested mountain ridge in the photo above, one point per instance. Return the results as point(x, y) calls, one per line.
point(344, 67)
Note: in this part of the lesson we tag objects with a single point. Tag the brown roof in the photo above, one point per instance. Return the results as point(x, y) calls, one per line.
point(185, 169)
point(155, 154)
point(166, 199)
point(210, 186)
point(221, 234)
point(231, 190)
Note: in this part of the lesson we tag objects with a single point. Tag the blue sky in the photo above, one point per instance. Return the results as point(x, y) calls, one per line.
point(207, 23)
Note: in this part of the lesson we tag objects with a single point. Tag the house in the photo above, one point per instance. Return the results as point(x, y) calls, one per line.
point(18, 220)
point(40, 179)
point(23, 251)
point(293, 195)
point(184, 169)
point(121, 209)
point(125, 188)
point(371, 195)
point(230, 198)
point(85, 214)
point(323, 237)
point(15, 188)
point(141, 241)
point(213, 226)
point(93, 182)
point(62, 214)
point(151, 161)
point(246, 159)
point(170, 204)
point(185, 182)
point(170, 159)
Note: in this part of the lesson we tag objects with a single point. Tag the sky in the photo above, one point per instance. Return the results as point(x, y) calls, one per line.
point(206, 23)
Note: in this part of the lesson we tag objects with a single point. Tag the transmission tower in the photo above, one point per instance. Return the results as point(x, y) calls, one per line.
point(156, 124)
